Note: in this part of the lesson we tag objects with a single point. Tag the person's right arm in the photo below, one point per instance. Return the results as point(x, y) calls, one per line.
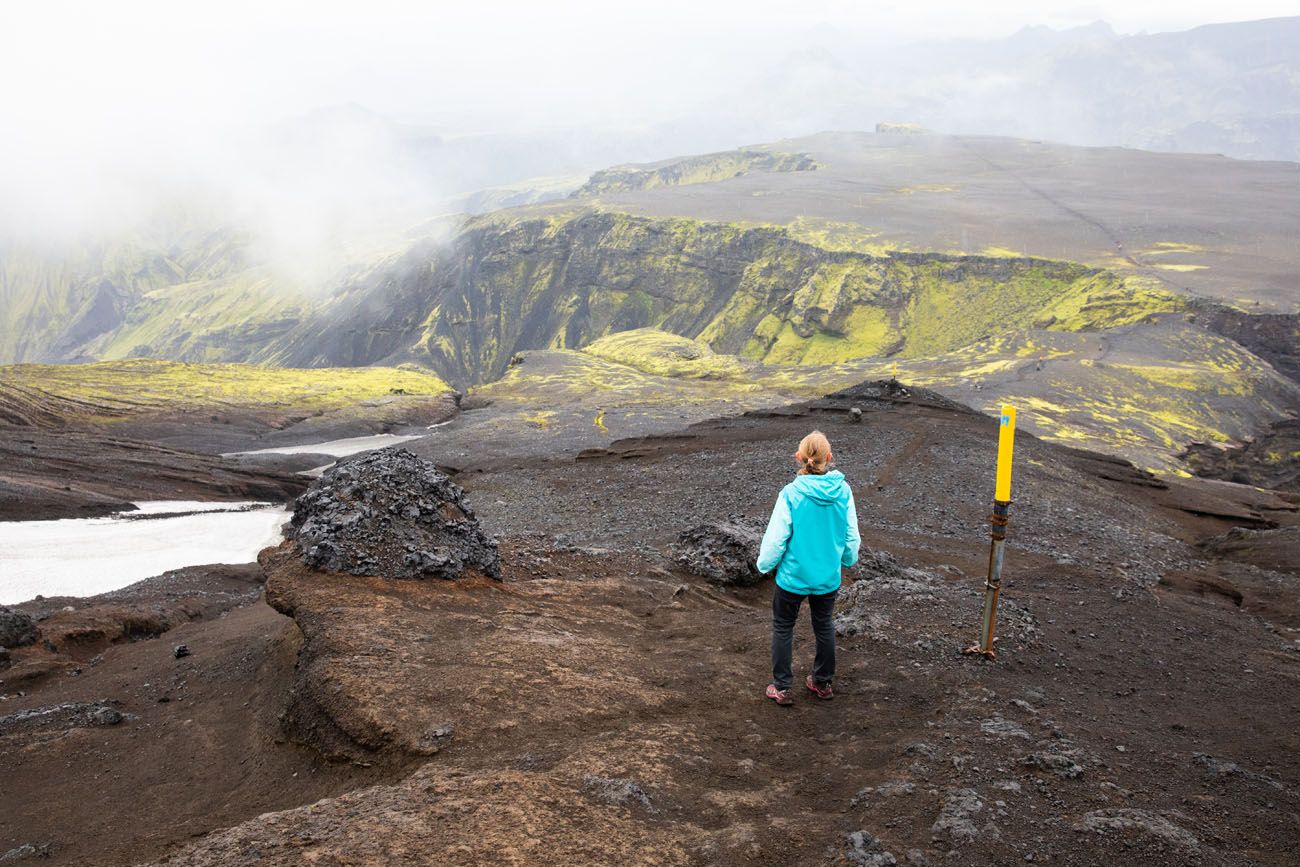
point(776, 537)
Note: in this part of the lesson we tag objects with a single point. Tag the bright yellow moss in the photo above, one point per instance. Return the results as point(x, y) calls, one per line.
point(1161, 248)
point(926, 188)
point(146, 385)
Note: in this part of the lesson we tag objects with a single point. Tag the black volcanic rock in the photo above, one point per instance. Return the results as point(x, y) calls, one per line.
point(61, 717)
point(16, 628)
point(1276, 549)
point(722, 552)
point(391, 514)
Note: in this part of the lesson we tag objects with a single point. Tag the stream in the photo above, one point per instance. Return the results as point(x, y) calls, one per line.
point(336, 448)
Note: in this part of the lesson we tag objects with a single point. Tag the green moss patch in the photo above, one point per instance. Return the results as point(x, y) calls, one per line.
point(703, 169)
point(121, 388)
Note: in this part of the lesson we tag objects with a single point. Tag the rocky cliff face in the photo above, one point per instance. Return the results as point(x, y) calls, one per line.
point(563, 282)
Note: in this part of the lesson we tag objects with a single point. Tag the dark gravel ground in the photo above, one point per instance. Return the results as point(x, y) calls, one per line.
point(918, 470)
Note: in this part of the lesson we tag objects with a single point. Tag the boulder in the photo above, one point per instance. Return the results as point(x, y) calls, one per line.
point(1140, 823)
point(723, 552)
point(391, 514)
point(16, 628)
point(956, 822)
point(867, 851)
point(618, 791)
point(62, 717)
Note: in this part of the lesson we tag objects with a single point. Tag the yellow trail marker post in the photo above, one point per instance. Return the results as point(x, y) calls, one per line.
point(998, 532)
point(895, 371)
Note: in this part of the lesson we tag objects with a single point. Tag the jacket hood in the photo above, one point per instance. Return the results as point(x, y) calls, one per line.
point(828, 488)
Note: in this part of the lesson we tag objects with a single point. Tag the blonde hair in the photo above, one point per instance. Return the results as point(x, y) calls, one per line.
point(814, 453)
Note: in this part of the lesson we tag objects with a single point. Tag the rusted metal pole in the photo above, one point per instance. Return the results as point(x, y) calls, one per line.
point(993, 584)
point(998, 533)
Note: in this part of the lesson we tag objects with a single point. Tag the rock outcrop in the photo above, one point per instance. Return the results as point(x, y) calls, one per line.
point(394, 515)
point(16, 628)
point(1277, 548)
point(723, 552)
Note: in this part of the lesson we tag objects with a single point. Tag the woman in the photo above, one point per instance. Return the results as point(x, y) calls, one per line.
point(813, 532)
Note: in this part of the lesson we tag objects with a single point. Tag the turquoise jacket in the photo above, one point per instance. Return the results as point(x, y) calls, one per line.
point(812, 533)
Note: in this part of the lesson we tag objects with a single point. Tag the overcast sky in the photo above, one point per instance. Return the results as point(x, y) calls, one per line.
point(103, 67)
point(96, 90)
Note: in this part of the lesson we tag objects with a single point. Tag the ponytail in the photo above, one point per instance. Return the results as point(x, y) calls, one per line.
point(814, 454)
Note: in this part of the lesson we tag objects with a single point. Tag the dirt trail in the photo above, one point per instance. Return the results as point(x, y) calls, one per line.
point(1119, 251)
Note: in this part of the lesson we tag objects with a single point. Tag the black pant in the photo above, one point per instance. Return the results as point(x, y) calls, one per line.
point(785, 611)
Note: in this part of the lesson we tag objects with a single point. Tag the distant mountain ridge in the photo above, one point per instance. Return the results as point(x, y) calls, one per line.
point(1221, 88)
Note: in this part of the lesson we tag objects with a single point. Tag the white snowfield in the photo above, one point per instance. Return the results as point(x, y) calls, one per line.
point(86, 556)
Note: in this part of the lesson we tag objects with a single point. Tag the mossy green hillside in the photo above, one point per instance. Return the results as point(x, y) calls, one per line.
point(52, 300)
point(735, 310)
point(565, 274)
point(109, 389)
point(842, 237)
point(663, 354)
point(205, 296)
point(1064, 392)
point(564, 280)
point(1141, 393)
point(207, 321)
point(703, 169)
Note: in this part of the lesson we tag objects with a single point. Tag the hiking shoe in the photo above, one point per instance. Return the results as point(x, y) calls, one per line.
point(823, 692)
point(780, 696)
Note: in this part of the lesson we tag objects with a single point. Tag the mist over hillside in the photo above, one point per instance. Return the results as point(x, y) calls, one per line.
point(309, 160)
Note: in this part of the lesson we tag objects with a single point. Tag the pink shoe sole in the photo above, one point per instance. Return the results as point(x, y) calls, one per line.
point(780, 696)
point(825, 693)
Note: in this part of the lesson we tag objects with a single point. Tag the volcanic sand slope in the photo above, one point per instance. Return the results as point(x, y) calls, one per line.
point(200, 745)
point(1225, 225)
point(602, 706)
